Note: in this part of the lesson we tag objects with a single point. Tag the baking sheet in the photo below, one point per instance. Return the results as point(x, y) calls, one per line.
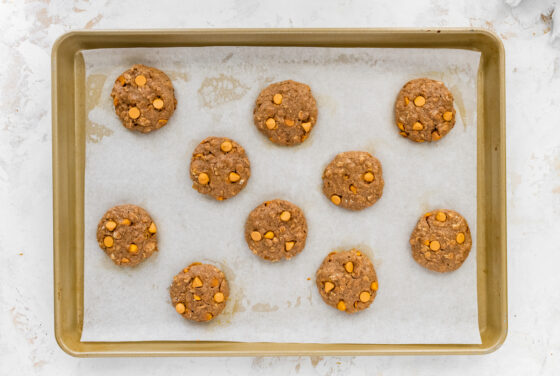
point(215, 89)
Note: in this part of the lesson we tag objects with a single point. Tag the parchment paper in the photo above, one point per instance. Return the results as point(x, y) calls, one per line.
point(216, 88)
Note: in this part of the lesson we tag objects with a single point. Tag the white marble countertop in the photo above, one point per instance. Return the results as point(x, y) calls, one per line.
point(29, 28)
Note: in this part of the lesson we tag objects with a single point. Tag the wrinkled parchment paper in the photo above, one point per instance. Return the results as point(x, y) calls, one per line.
point(216, 88)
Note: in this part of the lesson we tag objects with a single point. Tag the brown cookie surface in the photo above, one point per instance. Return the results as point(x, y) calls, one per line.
point(127, 234)
point(424, 110)
point(347, 281)
point(441, 240)
point(285, 112)
point(144, 98)
point(219, 168)
point(276, 230)
point(353, 180)
point(199, 292)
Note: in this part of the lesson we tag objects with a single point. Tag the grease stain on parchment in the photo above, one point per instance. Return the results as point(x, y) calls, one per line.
point(96, 132)
point(264, 307)
point(176, 75)
point(460, 104)
point(296, 304)
point(215, 91)
point(315, 360)
point(94, 87)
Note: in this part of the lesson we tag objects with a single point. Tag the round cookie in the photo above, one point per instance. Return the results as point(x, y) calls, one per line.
point(127, 234)
point(285, 112)
point(276, 230)
point(219, 168)
point(441, 240)
point(424, 110)
point(347, 281)
point(199, 292)
point(144, 98)
point(353, 180)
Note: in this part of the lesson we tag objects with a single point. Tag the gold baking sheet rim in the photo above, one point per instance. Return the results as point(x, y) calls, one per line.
point(68, 137)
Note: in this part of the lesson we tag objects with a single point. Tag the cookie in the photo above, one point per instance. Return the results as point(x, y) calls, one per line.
point(199, 292)
point(276, 230)
point(424, 110)
point(219, 168)
point(127, 234)
point(144, 98)
point(353, 180)
point(441, 240)
point(347, 281)
point(285, 112)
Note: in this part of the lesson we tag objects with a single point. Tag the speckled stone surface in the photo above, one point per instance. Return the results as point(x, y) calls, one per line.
point(532, 44)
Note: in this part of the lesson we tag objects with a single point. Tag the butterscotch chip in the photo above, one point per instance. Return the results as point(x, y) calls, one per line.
point(365, 296)
point(430, 116)
point(353, 180)
point(131, 239)
point(140, 80)
point(336, 199)
point(234, 177)
point(256, 236)
point(285, 216)
point(419, 101)
point(134, 112)
point(435, 242)
point(226, 146)
point(203, 178)
point(133, 248)
point(270, 123)
point(351, 288)
point(158, 103)
point(197, 282)
point(435, 246)
point(110, 225)
point(227, 170)
point(144, 98)
point(204, 302)
point(108, 241)
point(282, 239)
point(180, 308)
point(341, 306)
point(285, 112)
point(219, 297)
point(277, 99)
point(152, 229)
